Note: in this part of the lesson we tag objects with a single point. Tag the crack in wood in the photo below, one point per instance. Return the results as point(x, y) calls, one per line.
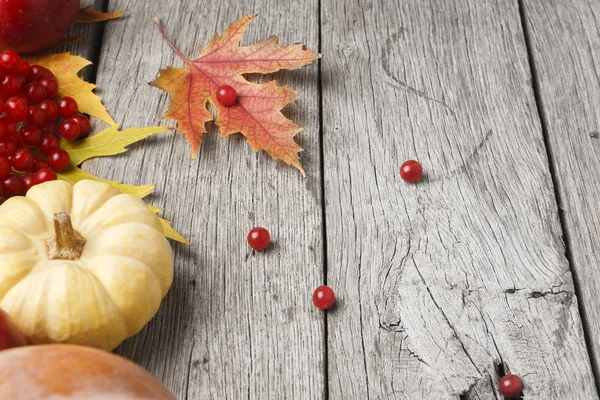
point(389, 45)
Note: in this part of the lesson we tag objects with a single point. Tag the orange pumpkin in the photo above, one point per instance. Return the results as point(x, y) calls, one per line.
point(68, 372)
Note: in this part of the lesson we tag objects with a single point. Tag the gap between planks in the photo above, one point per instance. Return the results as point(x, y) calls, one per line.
point(535, 83)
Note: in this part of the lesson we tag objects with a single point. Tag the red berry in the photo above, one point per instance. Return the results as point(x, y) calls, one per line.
point(59, 160)
point(28, 181)
point(37, 116)
point(67, 107)
point(51, 87)
point(16, 109)
point(411, 171)
point(69, 129)
point(1, 189)
point(7, 148)
point(259, 238)
point(5, 168)
point(51, 110)
point(45, 175)
point(35, 92)
point(7, 128)
point(30, 136)
point(83, 122)
point(510, 386)
point(22, 160)
point(226, 95)
point(13, 185)
point(23, 68)
point(37, 73)
point(50, 130)
point(12, 84)
point(9, 59)
point(323, 297)
point(49, 144)
point(38, 163)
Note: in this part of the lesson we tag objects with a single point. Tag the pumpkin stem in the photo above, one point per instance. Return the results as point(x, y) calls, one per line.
point(68, 243)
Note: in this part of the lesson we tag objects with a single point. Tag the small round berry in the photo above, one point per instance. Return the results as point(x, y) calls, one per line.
point(259, 238)
point(38, 163)
point(69, 129)
point(7, 148)
point(13, 185)
point(226, 95)
point(59, 160)
point(7, 128)
point(12, 84)
point(22, 160)
point(37, 116)
point(51, 86)
point(5, 168)
point(323, 297)
point(51, 110)
point(30, 136)
point(28, 181)
point(50, 130)
point(67, 107)
point(16, 109)
point(35, 92)
point(49, 144)
point(411, 171)
point(83, 122)
point(9, 59)
point(23, 68)
point(45, 175)
point(510, 386)
point(37, 73)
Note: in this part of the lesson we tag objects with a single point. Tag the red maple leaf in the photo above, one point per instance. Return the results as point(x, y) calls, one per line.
point(257, 111)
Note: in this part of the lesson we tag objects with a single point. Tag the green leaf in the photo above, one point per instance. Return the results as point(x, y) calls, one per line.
point(109, 142)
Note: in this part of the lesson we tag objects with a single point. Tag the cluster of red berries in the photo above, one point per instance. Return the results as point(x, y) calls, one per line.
point(32, 121)
point(323, 296)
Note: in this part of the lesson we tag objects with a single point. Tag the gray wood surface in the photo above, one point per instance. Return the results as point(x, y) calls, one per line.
point(565, 44)
point(235, 324)
point(439, 284)
point(441, 281)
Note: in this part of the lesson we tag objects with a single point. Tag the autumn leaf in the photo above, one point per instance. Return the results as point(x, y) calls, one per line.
point(109, 142)
point(257, 112)
point(169, 231)
point(65, 66)
point(75, 174)
point(88, 14)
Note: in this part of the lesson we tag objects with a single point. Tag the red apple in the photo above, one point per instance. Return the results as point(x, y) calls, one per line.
point(10, 335)
point(28, 26)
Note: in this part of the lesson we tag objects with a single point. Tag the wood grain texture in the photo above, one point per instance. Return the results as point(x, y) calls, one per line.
point(88, 46)
point(440, 282)
point(565, 45)
point(236, 324)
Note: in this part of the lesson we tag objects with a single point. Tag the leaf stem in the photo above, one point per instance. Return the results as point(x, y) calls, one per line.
point(169, 42)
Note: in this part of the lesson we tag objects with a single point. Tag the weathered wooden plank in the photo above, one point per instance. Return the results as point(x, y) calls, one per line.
point(235, 324)
point(440, 282)
point(86, 47)
point(565, 46)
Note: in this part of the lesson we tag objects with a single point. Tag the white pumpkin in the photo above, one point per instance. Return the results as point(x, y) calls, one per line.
point(81, 263)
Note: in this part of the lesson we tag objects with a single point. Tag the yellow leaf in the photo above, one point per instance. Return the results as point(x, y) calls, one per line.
point(88, 14)
point(169, 231)
point(65, 67)
point(75, 175)
point(109, 142)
